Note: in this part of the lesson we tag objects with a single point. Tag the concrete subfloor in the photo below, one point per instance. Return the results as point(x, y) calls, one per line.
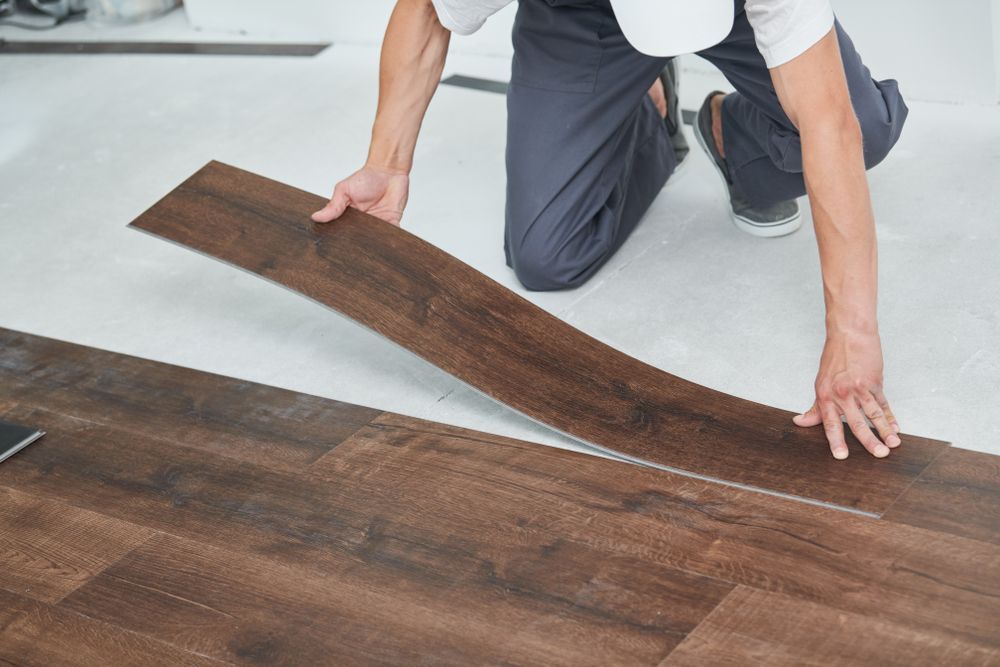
point(89, 142)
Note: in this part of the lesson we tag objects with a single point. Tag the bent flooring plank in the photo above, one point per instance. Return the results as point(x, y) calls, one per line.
point(754, 627)
point(237, 418)
point(959, 494)
point(466, 324)
point(33, 634)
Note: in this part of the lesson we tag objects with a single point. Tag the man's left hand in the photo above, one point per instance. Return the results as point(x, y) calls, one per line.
point(849, 385)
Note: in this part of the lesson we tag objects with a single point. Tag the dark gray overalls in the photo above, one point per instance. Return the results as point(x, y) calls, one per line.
point(587, 151)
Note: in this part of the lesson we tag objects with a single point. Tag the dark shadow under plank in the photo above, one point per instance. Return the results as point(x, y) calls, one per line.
point(161, 48)
point(494, 86)
point(446, 312)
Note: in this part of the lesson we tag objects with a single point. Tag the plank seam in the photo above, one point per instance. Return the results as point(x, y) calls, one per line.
point(914, 481)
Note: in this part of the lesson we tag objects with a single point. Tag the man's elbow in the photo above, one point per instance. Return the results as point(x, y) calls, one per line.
point(832, 125)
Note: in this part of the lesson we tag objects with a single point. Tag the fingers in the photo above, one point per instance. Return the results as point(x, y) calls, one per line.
point(809, 418)
point(859, 427)
point(335, 207)
point(834, 430)
point(878, 418)
point(884, 404)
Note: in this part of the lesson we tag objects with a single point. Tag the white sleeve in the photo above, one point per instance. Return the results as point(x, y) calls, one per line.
point(784, 29)
point(464, 17)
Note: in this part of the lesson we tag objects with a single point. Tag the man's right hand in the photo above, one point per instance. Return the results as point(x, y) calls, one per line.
point(380, 192)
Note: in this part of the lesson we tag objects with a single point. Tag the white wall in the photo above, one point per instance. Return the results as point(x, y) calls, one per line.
point(943, 51)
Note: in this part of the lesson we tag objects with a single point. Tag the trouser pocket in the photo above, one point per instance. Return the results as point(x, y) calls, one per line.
point(557, 44)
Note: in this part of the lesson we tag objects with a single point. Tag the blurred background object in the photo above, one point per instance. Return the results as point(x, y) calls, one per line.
point(39, 14)
point(104, 12)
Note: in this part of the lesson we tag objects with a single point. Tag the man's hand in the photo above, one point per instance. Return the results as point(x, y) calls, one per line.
point(812, 89)
point(381, 192)
point(413, 55)
point(849, 385)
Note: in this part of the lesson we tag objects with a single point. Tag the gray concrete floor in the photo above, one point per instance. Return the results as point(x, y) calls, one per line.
point(88, 142)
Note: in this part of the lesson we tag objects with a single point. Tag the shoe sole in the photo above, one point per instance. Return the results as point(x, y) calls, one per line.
point(759, 229)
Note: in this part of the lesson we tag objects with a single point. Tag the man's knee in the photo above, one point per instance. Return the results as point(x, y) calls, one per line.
point(544, 269)
point(541, 265)
point(882, 122)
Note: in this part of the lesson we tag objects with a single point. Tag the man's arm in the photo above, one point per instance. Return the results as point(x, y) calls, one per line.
point(812, 89)
point(413, 55)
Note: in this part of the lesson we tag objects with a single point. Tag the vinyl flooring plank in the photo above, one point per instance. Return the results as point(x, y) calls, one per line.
point(241, 419)
point(851, 563)
point(959, 494)
point(523, 592)
point(33, 634)
point(49, 549)
point(492, 339)
point(536, 539)
point(753, 627)
point(33, 47)
point(254, 610)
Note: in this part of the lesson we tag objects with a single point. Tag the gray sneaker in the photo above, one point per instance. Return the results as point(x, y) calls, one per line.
point(777, 220)
point(670, 77)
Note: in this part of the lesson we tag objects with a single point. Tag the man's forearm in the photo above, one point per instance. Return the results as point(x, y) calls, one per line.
point(413, 55)
point(834, 168)
point(813, 91)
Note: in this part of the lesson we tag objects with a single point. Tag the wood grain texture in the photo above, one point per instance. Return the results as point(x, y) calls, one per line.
point(49, 549)
point(33, 634)
point(959, 494)
point(753, 627)
point(410, 542)
point(451, 315)
point(851, 563)
point(34, 47)
point(239, 419)
point(375, 609)
point(541, 597)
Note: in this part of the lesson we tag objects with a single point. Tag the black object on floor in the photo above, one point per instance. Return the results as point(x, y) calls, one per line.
point(494, 86)
point(162, 48)
point(14, 438)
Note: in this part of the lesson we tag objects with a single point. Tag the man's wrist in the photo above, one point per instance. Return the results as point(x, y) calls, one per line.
point(862, 321)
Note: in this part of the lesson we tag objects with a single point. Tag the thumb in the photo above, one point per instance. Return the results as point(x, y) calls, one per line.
point(335, 207)
point(811, 417)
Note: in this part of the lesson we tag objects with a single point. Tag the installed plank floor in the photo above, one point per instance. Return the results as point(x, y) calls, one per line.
point(134, 536)
point(482, 333)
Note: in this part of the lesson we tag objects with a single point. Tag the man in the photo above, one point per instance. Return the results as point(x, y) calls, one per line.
point(593, 134)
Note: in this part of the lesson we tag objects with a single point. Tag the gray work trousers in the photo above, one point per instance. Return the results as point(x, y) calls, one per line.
point(587, 151)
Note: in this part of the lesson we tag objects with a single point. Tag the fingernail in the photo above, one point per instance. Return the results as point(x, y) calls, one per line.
point(840, 454)
point(881, 450)
point(892, 441)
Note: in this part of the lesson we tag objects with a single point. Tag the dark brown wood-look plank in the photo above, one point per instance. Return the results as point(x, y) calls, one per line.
point(535, 595)
point(49, 549)
point(848, 562)
point(250, 609)
point(451, 315)
point(959, 494)
point(538, 542)
point(33, 634)
point(33, 47)
point(753, 627)
point(241, 419)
